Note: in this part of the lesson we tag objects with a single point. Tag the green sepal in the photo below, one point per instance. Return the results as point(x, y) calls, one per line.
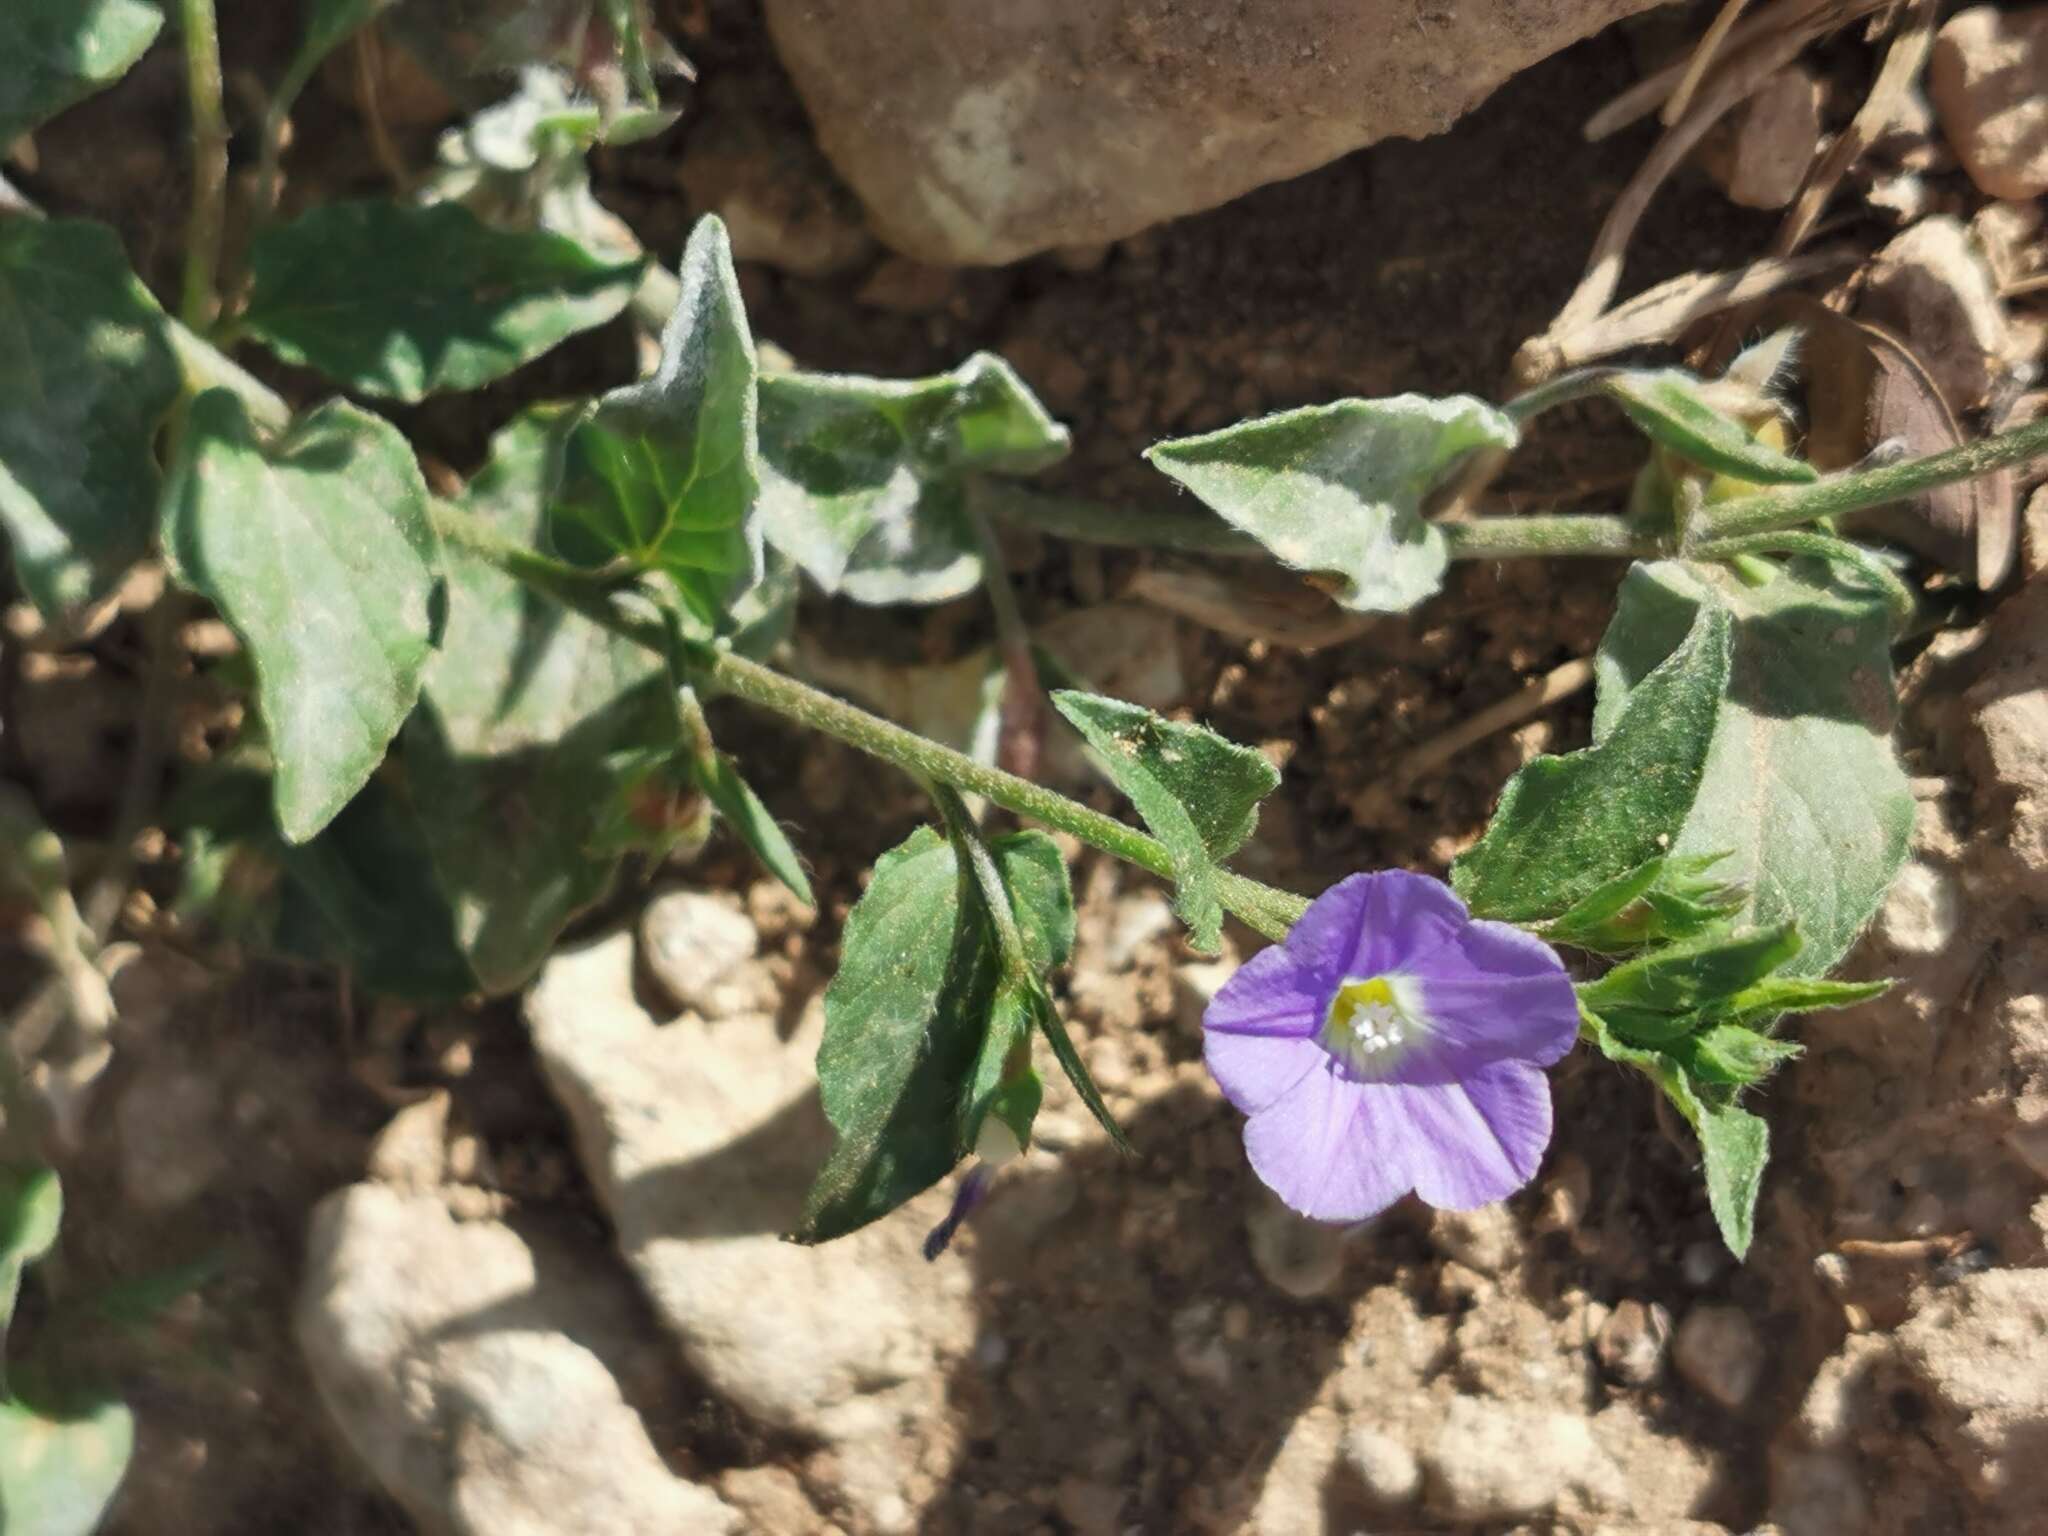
point(1663, 995)
point(1732, 1055)
point(1666, 897)
point(1672, 409)
point(752, 822)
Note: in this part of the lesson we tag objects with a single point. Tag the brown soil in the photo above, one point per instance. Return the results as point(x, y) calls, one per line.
point(1410, 266)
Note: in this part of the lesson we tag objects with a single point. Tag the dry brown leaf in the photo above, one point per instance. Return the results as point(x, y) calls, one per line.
point(1864, 386)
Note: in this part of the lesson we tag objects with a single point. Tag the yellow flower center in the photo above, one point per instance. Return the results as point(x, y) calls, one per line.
point(1368, 1027)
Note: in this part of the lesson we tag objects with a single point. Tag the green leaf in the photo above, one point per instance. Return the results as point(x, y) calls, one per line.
point(1337, 489)
point(1672, 409)
point(58, 52)
point(57, 1476)
point(1665, 994)
point(31, 1210)
point(1734, 1144)
point(396, 300)
point(85, 376)
point(1568, 826)
point(1801, 788)
point(907, 1016)
point(742, 810)
point(515, 753)
point(363, 896)
point(1733, 1055)
point(862, 481)
point(1198, 792)
point(664, 473)
point(317, 548)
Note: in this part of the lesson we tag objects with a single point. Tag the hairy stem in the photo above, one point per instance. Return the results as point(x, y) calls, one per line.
point(1269, 910)
point(1554, 535)
point(1859, 490)
point(1477, 538)
point(1577, 384)
point(200, 301)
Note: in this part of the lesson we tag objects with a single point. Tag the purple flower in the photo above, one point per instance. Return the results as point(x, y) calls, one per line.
point(1392, 1043)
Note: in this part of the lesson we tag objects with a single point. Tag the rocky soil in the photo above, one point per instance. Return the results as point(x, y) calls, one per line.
point(515, 1268)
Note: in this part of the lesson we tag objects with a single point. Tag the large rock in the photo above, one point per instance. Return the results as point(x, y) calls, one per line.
point(1977, 1353)
point(467, 1366)
point(1989, 79)
point(700, 1136)
point(981, 133)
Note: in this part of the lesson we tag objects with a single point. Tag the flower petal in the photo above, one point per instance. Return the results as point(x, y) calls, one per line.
point(1494, 994)
point(1270, 994)
point(1478, 1140)
point(1324, 939)
point(1322, 1148)
point(1407, 920)
point(1255, 1070)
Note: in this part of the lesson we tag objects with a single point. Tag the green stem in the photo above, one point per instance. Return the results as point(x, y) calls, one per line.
point(209, 163)
point(1549, 535)
point(1859, 490)
point(1269, 910)
point(1578, 384)
point(1478, 538)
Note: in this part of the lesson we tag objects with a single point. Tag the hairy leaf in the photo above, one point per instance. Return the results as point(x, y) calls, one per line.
point(1802, 789)
point(512, 757)
point(1567, 826)
point(862, 479)
point(1672, 409)
point(1337, 490)
point(1198, 792)
point(85, 376)
point(1735, 1145)
point(397, 300)
point(907, 1016)
point(663, 474)
point(58, 1475)
point(318, 550)
point(58, 52)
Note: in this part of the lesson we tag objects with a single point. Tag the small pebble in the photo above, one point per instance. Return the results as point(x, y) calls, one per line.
point(1718, 1353)
point(1630, 1346)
